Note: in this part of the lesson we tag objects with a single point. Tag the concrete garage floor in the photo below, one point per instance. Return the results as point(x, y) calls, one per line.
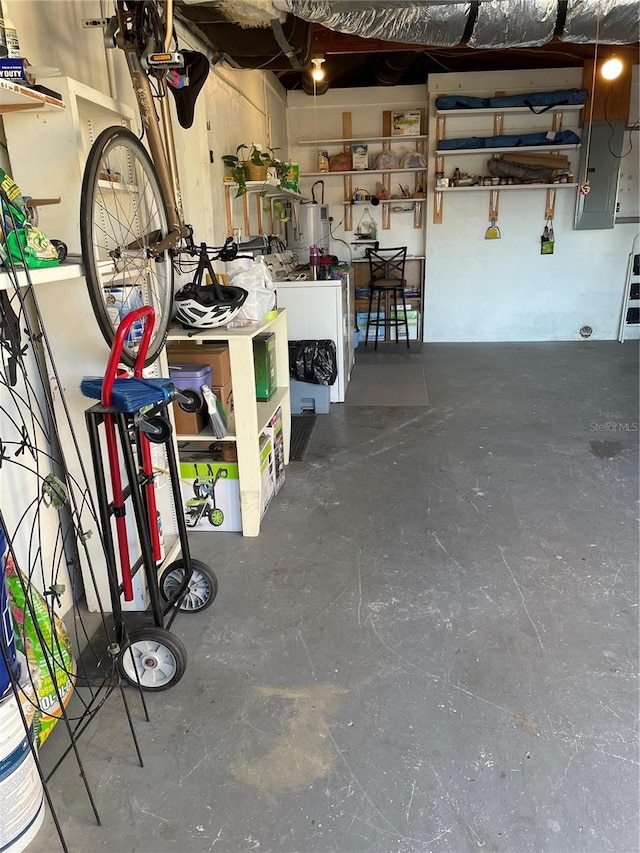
point(432, 645)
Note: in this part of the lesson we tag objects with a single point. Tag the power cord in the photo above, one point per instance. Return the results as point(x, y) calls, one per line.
point(339, 239)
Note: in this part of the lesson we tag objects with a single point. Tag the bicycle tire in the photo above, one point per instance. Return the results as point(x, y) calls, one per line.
point(122, 216)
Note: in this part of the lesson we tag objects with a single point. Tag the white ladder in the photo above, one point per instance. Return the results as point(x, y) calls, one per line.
point(631, 297)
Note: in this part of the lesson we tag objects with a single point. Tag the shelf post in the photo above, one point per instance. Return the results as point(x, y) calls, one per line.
point(245, 214)
point(258, 198)
point(437, 208)
point(550, 204)
point(494, 204)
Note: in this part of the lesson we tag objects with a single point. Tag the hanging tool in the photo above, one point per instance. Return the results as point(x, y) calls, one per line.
point(547, 240)
point(493, 232)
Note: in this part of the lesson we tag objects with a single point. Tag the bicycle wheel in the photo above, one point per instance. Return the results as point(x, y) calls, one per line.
point(122, 218)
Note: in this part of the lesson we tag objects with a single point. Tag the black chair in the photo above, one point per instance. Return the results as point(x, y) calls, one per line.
point(386, 276)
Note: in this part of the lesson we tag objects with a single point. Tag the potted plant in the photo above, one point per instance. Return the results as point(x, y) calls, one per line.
point(252, 163)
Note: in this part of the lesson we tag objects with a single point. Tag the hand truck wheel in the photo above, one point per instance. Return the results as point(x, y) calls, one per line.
point(158, 429)
point(190, 400)
point(202, 588)
point(152, 657)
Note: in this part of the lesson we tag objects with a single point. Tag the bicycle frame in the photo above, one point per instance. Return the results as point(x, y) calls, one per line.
point(161, 142)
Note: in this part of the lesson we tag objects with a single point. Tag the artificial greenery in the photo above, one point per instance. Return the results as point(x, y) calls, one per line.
point(259, 156)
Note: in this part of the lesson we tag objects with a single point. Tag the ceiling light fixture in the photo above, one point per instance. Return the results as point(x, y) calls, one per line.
point(612, 68)
point(317, 72)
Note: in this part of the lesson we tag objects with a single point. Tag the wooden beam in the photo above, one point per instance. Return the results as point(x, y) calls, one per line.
point(612, 97)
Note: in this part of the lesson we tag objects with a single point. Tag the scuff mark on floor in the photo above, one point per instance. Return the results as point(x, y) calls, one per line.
point(528, 725)
point(300, 754)
point(605, 449)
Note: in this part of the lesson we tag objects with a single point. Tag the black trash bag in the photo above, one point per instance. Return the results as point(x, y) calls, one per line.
point(313, 361)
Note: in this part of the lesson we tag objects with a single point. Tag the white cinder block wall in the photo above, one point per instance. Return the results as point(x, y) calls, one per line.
point(479, 290)
point(233, 107)
point(505, 290)
point(321, 118)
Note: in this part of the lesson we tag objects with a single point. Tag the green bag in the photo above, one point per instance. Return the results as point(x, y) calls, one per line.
point(547, 241)
point(21, 237)
point(35, 245)
point(54, 651)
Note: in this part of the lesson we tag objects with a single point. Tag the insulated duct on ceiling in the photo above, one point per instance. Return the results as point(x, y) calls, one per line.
point(251, 13)
point(619, 21)
point(519, 23)
point(419, 22)
point(493, 23)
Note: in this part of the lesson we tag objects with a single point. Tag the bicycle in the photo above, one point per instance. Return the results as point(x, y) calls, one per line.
point(132, 225)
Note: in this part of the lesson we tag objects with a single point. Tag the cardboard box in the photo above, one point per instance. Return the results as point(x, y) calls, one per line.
point(274, 429)
point(405, 123)
point(264, 362)
point(210, 493)
point(224, 394)
point(360, 156)
point(216, 355)
point(266, 473)
point(189, 423)
point(16, 69)
point(413, 321)
point(361, 322)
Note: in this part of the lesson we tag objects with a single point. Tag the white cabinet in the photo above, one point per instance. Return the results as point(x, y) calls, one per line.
point(322, 310)
point(250, 417)
point(48, 151)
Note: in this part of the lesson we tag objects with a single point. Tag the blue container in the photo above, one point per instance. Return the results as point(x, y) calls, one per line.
point(187, 376)
point(7, 641)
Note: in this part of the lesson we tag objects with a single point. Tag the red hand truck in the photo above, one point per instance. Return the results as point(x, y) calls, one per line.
point(133, 414)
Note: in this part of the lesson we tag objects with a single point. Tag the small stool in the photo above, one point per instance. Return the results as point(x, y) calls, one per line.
point(386, 271)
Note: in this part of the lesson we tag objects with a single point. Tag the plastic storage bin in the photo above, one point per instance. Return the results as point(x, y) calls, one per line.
point(307, 397)
point(190, 376)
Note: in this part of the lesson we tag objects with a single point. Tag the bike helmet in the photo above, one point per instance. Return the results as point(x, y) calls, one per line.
point(208, 307)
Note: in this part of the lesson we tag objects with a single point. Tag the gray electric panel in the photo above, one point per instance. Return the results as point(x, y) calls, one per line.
point(598, 208)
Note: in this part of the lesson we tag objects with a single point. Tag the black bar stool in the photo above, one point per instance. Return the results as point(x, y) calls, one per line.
point(386, 275)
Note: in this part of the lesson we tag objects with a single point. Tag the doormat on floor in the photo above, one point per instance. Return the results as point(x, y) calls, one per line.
point(301, 429)
point(387, 385)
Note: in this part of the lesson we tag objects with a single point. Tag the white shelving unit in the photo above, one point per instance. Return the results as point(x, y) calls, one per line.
point(17, 98)
point(508, 188)
point(415, 143)
point(258, 190)
point(362, 172)
point(249, 416)
point(63, 272)
point(355, 139)
point(454, 152)
point(556, 116)
point(48, 151)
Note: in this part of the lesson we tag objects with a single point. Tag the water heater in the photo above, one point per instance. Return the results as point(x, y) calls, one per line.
point(308, 225)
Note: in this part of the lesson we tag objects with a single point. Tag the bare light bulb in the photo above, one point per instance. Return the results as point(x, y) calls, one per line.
point(612, 68)
point(318, 71)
